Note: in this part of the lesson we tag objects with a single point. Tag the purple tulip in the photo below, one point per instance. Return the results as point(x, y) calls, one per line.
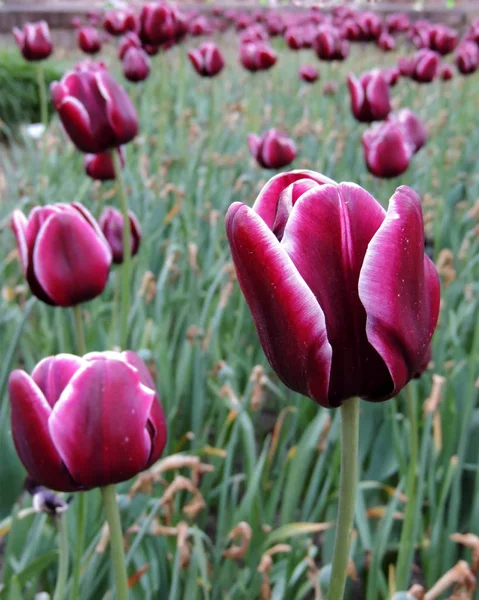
point(308, 73)
point(129, 40)
point(94, 109)
point(89, 40)
point(467, 58)
point(257, 57)
point(111, 223)
point(136, 65)
point(118, 22)
point(157, 23)
point(369, 96)
point(425, 66)
point(34, 40)
point(386, 42)
point(387, 150)
point(329, 45)
point(344, 299)
point(100, 166)
point(412, 125)
point(446, 72)
point(80, 423)
point(273, 150)
point(64, 255)
point(207, 59)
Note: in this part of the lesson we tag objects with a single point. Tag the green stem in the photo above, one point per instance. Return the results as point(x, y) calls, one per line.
point(406, 544)
point(43, 95)
point(79, 330)
point(62, 558)
point(347, 496)
point(116, 541)
point(81, 513)
point(126, 267)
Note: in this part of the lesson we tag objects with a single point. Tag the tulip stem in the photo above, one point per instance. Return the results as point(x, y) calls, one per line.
point(126, 267)
point(81, 513)
point(347, 496)
point(43, 95)
point(80, 332)
point(62, 576)
point(116, 541)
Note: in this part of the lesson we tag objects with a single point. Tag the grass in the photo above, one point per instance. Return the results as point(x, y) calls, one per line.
point(257, 453)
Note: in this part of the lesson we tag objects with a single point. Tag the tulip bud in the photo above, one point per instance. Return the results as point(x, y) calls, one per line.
point(308, 73)
point(136, 64)
point(111, 223)
point(101, 167)
point(386, 42)
point(89, 40)
point(257, 56)
point(34, 40)
point(207, 59)
point(157, 23)
point(64, 255)
point(369, 96)
point(386, 150)
point(80, 423)
point(94, 109)
point(467, 58)
point(130, 40)
point(425, 66)
point(329, 45)
point(118, 22)
point(446, 72)
point(273, 150)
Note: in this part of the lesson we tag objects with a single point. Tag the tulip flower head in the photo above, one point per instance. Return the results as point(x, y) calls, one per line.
point(446, 72)
point(80, 423)
point(387, 150)
point(129, 40)
point(136, 65)
point(344, 299)
point(94, 109)
point(64, 255)
point(425, 66)
point(111, 223)
point(34, 40)
point(369, 96)
point(207, 59)
point(118, 22)
point(272, 150)
point(329, 45)
point(101, 167)
point(89, 40)
point(257, 56)
point(309, 73)
point(467, 58)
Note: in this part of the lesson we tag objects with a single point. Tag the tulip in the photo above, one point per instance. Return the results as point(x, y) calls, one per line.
point(329, 45)
point(254, 33)
point(387, 151)
point(443, 39)
point(100, 166)
point(130, 40)
point(370, 26)
point(369, 96)
point(308, 73)
point(412, 126)
point(136, 64)
point(34, 40)
point(425, 66)
point(111, 224)
point(294, 38)
point(89, 40)
point(64, 255)
point(386, 42)
point(94, 109)
point(446, 72)
point(467, 58)
point(273, 150)
point(397, 22)
point(405, 66)
point(344, 299)
point(118, 22)
point(200, 26)
point(391, 75)
point(207, 59)
point(80, 423)
point(157, 23)
point(257, 57)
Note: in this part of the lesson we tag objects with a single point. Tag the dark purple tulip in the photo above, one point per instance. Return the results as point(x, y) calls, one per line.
point(34, 40)
point(326, 271)
point(80, 423)
point(157, 23)
point(64, 255)
point(329, 45)
point(309, 73)
point(89, 40)
point(443, 39)
point(397, 22)
point(100, 166)
point(129, 40)
point(369, 96)
point(425, 66)
point(370, 25)
point(273, 150)
point(94, 109)
point(257, 57)
point(207, 59)
point(200, 26)
point(118, 22)
point(294, 38)
point(467, 58)
point(111, 223)
point(254, 33)
point(446, 72)
point(136, 65)
point(387, 151)
point(386, 42)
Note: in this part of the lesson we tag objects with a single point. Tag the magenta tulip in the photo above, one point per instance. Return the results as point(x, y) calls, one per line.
point(257, 57)
point(397, 22)
point(136, 65)
point(207, 59)
point(344, 299)
point(157, 23)
point(387, 151)
point(94, 109)
point(80, 423)
point(308, 73)
point(100, 166)
point(369, 96)
point(425, 66)
point(273, 150)
point(412, 125)
point(111, 223)
point(391, 75)
point(118, 22)
point(329, 45)
point(129, 40)
point(467, 58)
point(64, 255)
point(446, 72)
point(89, 40)
point(386, 42)
point(34, 40)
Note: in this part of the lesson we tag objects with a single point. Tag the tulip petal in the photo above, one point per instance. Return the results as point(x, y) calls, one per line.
point(53, 373)
point(288, 318)
point(357, 94)
point(399, 288)
point(70, 262)
point(377, 95)
point(107, 408)
point(119, 107)
point(326, 237)
point(29, 417)
point(19, 226)
point(266, 204)
point(196, 59)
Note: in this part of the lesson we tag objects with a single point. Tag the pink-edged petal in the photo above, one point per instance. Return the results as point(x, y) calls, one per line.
point(19, 226)
point(326, 237)
point(277, 150)
point(266, 204)
point(52, 375)
point(119, 107)
point(196, 59)
point(19, 37)
point(399, 288)
point(76, 121)
point(288, 318)
point(107, 408)
point(357, 95)
point(71, 262)
point(138, 363)
point(213, 59)
point(287, 199)
point(29, 416)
